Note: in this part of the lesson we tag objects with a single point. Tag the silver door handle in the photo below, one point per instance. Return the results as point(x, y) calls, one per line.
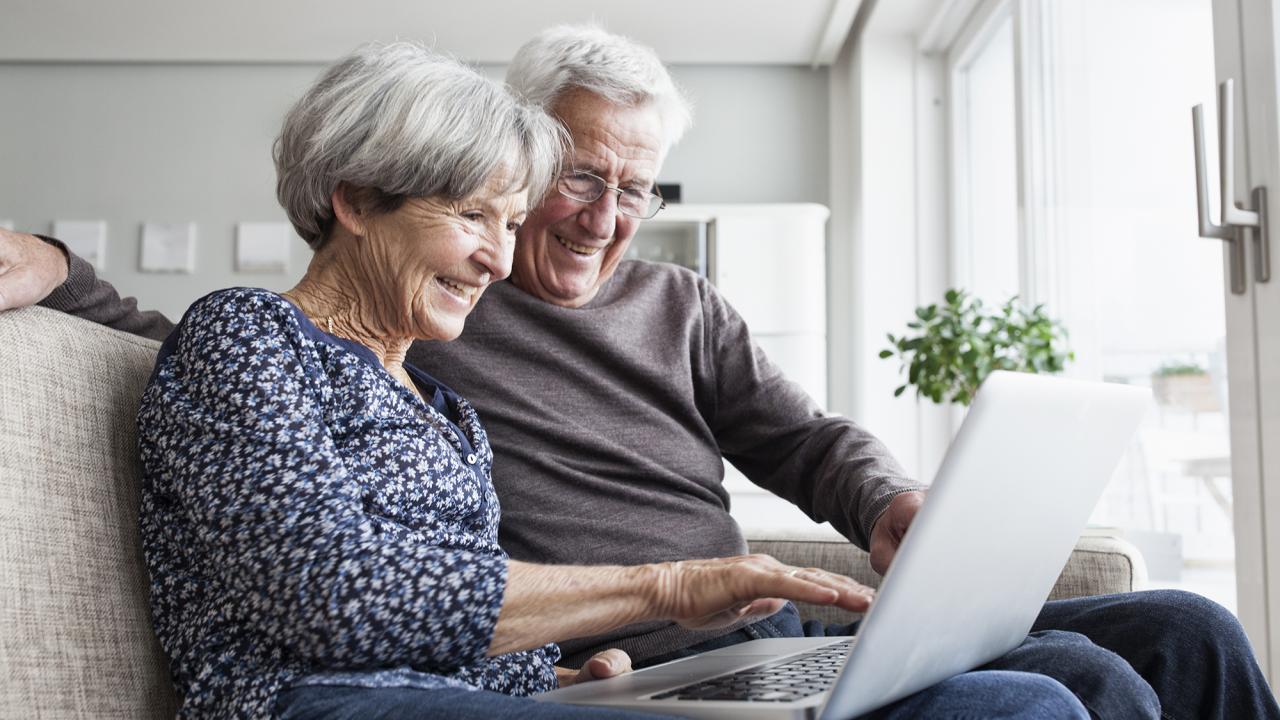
point(1234, 217)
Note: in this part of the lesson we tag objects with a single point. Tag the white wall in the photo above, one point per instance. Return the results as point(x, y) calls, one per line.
point(759, 135)
point(888, 234)
point(129, 143)
point(135, 143)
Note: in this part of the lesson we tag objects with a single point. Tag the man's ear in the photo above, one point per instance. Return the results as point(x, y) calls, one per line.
point(350, 216)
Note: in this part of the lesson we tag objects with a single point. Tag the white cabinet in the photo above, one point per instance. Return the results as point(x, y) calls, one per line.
point(770, 261)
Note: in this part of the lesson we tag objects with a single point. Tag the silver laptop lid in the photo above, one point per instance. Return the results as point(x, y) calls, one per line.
point(1005, 510)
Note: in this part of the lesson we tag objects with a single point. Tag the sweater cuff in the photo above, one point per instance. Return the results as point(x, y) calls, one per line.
point(874, 509)
point(80, 279)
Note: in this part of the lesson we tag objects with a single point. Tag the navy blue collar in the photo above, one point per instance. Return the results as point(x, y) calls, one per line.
point(438, 395)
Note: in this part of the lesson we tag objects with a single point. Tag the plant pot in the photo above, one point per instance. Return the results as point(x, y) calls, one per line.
point(1193, 392)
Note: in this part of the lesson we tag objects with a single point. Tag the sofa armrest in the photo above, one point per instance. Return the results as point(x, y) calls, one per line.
point(1100, 564)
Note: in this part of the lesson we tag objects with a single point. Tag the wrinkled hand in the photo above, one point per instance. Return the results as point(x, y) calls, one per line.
point(606, 664)
point(30, 269)
point(887, 533)
point(706, 594)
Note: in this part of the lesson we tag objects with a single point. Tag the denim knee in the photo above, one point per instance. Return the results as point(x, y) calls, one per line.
point(990, 694)
point(1191, 651)
point(1103, 681)
point(1189, 613)
point(1046, 697)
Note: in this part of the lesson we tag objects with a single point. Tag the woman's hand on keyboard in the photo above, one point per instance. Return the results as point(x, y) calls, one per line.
point(706, 594)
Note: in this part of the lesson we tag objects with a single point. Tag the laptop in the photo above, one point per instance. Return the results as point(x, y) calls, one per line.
point(1004, 512)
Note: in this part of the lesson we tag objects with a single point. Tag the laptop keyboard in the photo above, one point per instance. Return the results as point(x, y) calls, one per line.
point(792, 679)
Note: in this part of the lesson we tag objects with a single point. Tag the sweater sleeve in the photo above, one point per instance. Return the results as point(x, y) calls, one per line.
point(770, 429)
point(233, 434)
point(85, 295)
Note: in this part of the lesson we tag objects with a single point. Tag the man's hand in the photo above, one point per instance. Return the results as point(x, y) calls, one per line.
point(607, 664)
point(30, 269)
point(891, 527)
point(706, 594)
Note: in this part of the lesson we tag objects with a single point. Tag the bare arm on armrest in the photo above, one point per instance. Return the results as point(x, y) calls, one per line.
point(41, 270)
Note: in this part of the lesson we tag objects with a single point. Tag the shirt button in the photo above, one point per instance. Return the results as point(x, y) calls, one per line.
point(471, 459)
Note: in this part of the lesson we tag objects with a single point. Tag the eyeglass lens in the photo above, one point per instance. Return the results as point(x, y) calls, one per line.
point(586, 187)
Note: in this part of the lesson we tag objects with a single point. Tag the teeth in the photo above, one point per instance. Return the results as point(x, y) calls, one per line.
point(462, 290)
point(580, 249)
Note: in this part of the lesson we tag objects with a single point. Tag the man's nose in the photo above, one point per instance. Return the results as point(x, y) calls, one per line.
point(599, 218)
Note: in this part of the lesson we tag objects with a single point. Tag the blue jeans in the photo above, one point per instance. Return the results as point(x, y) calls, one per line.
point(981, 695)
point(1191, 650)
point(1115, 656)
point(1163, 653)
point(333, 702)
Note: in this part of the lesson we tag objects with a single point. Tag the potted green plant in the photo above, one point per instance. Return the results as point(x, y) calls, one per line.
point(1184, 384)
point(956, 344)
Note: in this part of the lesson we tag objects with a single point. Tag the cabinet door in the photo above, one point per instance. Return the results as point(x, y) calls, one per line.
point(681, 242)
point(771, 266)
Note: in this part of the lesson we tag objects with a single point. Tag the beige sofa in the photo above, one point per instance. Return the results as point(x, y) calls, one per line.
point(77, 640)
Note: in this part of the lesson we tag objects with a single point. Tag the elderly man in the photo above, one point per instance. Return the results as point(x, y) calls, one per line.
point(612, 390)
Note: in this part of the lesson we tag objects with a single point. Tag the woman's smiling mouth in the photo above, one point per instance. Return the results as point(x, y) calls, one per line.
point(459, 290)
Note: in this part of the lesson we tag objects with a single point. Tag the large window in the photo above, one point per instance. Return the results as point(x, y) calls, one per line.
point(986, 229)
point(1087, 203)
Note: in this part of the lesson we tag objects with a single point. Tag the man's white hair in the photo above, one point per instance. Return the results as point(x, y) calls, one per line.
point(616, 68)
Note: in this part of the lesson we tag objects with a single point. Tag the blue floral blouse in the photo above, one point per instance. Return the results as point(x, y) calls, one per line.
point(306, 519)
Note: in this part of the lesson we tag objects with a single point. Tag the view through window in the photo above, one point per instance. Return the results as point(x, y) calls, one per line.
point(1158, 287)
point(1140, 292)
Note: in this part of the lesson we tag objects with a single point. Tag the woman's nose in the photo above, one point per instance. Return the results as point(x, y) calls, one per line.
point(494, 256)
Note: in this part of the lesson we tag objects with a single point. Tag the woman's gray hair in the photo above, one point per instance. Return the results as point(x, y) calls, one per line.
point(397, 121)
point(616, 68)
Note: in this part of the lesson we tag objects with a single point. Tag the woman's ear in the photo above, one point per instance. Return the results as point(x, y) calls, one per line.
point(349, 215)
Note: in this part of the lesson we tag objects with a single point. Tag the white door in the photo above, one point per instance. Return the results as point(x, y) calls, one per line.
point(1245, 39)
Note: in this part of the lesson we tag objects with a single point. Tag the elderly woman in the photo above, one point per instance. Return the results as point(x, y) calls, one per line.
point(317, 515)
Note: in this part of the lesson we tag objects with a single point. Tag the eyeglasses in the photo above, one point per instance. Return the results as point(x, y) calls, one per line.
point(586, 187)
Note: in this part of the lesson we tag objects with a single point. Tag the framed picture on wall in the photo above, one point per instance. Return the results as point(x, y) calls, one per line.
point(263, 247)
point(86, 238)
point(168, 247)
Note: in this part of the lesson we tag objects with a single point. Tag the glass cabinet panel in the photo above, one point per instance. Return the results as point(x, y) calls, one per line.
point(674, 239)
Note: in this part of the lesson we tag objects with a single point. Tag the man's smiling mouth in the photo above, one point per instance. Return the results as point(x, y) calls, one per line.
point(583, 250)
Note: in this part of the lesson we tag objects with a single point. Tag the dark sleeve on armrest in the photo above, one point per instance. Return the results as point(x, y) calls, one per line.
point(87, 296)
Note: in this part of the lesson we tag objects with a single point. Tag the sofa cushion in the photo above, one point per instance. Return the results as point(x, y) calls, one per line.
point(77, 640)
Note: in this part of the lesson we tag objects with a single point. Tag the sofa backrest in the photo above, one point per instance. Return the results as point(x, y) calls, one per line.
point(77, 639)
